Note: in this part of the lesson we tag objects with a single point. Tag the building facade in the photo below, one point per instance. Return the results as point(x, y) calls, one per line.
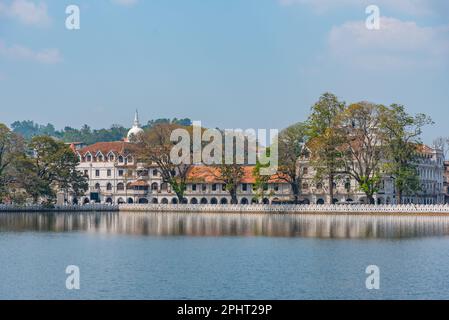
point(115, 176)
point(430, 166)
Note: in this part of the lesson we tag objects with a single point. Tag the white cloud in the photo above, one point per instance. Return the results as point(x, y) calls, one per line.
point(413, 7)
point(26, 12)
point(125, 2)
point(397, 44)
point(19, 52)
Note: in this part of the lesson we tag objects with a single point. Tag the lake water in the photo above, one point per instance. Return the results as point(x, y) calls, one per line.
point(222, 256)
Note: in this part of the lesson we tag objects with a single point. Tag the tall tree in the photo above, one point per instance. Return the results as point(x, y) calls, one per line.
point(231, 175)
point(54, 168)
point(326, 137)
point(155, 148)
point(402, 132)
point(261, 181)
point(291, 142)
point(364, 145)
point(11, 148)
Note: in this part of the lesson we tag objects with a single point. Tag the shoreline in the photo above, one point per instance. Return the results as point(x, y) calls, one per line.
point(393, 210)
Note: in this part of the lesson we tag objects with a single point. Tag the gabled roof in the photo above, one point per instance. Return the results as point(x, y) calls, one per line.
point(118, 147)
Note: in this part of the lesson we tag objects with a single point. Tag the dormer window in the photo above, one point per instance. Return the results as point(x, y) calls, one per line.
point(120, 159)
point(88, 158)
point(100, 158)
point(130, 159)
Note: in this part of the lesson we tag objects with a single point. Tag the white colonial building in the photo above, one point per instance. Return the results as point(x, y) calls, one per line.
point(115, 177)
point(431, 174)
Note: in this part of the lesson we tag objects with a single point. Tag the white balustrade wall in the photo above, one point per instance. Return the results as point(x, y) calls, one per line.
point(38, 207)
point(284, 208)
point(237, 208)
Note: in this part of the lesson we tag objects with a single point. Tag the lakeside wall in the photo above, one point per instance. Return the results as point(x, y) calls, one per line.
point(58, 208)
point(238, 208)
point(262, 208)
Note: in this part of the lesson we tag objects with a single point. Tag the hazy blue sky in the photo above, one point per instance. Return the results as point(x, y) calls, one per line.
point(228, 63)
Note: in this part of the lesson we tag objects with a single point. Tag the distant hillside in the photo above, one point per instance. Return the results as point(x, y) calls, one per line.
point(85, 134)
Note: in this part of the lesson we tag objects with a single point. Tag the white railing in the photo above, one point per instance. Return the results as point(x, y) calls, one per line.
point(38, 207)
point(237, 208)
point(286, 208)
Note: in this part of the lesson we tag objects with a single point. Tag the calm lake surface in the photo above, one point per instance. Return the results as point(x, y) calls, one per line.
point(222, 256)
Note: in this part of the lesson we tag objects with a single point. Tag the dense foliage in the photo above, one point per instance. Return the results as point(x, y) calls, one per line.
point(29, 129)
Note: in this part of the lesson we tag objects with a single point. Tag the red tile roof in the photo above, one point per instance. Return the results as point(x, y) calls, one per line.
point(138, 183)
point(209, 174)
point(424, 149)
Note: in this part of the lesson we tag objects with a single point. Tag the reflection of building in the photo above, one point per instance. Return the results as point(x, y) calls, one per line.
point(115, 177)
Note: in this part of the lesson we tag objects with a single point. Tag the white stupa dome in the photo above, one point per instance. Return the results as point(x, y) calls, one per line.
point(136, 130)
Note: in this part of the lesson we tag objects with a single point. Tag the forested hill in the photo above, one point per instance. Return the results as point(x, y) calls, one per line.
point(85, 134)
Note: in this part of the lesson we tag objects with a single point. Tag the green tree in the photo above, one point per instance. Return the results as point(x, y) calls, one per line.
point(11, 148)
point(231, 175)
point(325, 139)
point(154, 149)
point(261, 181)
point(53, 167)
point(402, 132)
point(363, 146)
point(290, 148)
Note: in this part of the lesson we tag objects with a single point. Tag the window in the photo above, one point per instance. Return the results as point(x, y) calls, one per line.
point(319, 186)
point(120, 187)
point(223, 187)
point(155, 172)
point(193, 187)
point(97, 186)
point(143, 173)
point(348, 185)
point(86, 173)
point(109, 172)
point(305, 170)
point(214, 187)
point(120, 173)
point(305, 186)
point(244, 187)
point(100, 158)
point(109, 187)
point(120, 159)
point(97, 173)
point(88, 158)
point(203, 187)
point(130, 159)
point(111, 157)
point(276, 187)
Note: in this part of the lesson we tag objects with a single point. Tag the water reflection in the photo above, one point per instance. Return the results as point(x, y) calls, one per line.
point(176, 224)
